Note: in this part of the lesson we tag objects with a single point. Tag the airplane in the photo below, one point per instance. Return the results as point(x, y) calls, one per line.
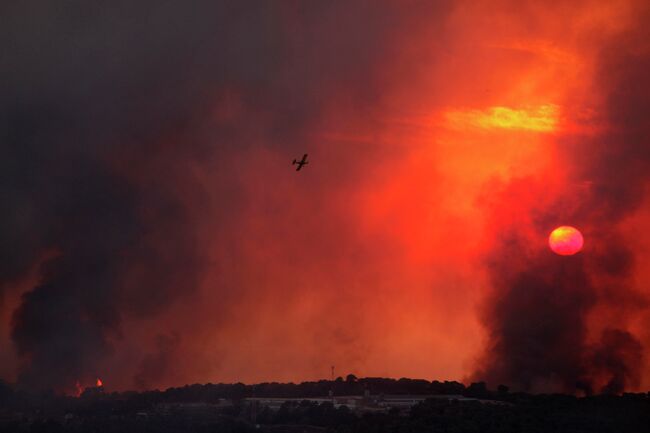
point(300, 163)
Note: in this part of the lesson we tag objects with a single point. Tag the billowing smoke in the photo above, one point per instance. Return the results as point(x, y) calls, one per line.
point(153, 232)
point(155, 366)
point(561, 323)
point(114, 114)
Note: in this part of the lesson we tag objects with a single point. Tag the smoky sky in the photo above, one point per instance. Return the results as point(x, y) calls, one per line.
point(538, 318)
point(103, 118)
point(153, 230)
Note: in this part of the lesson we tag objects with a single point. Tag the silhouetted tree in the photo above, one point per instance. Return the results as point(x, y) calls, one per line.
point(477, 390)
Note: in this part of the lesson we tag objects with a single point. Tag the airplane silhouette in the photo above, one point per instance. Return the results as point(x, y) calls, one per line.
point(300, 163)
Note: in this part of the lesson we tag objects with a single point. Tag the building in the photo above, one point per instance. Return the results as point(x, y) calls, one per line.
point(356, 403)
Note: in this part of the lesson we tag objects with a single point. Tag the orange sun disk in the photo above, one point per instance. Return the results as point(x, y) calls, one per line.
point(565, 240)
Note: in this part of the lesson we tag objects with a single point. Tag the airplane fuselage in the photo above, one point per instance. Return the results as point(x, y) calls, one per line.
point(301, 162)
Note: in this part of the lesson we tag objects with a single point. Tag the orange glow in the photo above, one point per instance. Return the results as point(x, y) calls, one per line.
point(543, 118)
point(566, 240)
point(372, 259)
point(396, 236)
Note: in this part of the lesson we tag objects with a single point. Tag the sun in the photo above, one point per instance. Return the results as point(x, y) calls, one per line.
point(566, 240)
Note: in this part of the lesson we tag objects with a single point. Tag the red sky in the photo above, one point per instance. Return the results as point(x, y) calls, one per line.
point(426, 149)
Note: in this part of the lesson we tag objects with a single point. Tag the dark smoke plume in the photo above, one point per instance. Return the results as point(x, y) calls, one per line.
point(107, 111)
point(538, 318)
point(156, 366)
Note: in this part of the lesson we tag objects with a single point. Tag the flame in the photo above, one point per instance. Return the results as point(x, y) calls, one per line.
point(79, 388)
point(543, 118)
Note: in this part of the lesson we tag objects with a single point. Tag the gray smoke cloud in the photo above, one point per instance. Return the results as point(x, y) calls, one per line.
point(537, 319)
point(106, 106)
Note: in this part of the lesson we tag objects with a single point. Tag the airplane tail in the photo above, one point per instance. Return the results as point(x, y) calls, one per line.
point(294, 162)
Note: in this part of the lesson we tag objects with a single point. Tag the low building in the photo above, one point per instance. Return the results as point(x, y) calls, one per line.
point(357, 403)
